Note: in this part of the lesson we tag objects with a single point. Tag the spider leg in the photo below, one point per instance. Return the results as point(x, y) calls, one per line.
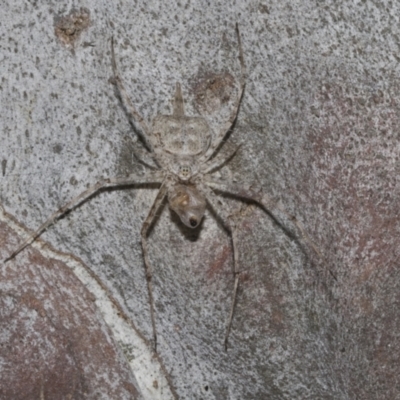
point(144, 157)
point(150, 177)
point(271, 206)
point(230, 225)
point(217, 163)
point(228, 125)
point(126, 100)
point(149, 273)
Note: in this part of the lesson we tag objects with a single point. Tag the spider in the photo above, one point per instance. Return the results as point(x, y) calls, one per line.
point(182, 150)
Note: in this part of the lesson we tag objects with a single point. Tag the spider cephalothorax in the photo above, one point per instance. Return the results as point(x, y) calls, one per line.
point(179, 140)
point(182, 150)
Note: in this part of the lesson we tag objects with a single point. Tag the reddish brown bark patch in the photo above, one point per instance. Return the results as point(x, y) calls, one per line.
point(53, 342)
point(68, 28)
point(356, 154)
point(212, 91)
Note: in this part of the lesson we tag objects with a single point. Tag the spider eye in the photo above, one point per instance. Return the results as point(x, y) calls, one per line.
point(193, 222)
point(184, 171)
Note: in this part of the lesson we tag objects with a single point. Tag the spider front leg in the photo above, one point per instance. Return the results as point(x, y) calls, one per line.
point(149, 273)
point(150, 177)
point(228, 125)
point(231, 227)
point(127, 102)
point(271, 206)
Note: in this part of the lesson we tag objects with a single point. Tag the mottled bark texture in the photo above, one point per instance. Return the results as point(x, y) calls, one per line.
point(53, 343)
point(319, 127)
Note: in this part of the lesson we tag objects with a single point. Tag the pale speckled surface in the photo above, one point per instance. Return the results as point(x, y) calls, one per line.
point(320, 129)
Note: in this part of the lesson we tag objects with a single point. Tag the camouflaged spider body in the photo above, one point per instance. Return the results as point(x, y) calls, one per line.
point(181, 153)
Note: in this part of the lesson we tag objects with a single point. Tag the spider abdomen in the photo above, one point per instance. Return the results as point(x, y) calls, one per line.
point(188, 203)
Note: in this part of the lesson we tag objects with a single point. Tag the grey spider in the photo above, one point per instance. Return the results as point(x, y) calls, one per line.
point(183, 151)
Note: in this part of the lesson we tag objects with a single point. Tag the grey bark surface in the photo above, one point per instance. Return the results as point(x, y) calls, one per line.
point(319, 127)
